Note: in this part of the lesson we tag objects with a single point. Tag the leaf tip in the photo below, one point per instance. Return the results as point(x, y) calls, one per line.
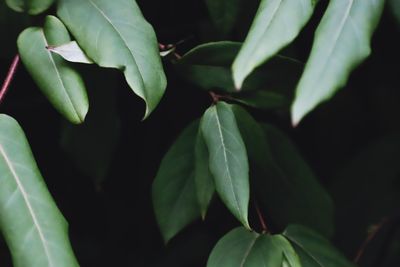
point(238, 75)
point(298, 112)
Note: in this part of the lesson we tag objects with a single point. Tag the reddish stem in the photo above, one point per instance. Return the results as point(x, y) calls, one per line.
point(9, 77)
point(215, 97)
point(261, 219)
point(370, 237)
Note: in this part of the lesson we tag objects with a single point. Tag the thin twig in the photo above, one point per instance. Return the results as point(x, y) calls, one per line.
point(370, 237)
point(261, 219)
point(9, 77)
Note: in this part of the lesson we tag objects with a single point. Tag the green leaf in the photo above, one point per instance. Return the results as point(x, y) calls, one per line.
point(202, 176)
point(102, 126)
point(33, 227)
point(224, 13)
point(262, 99)
point(212, 54)
point(208, 67)
point(71, 52)
point(290, 259)
point(228, 159)
point(280, 175)
point(242, 248)
point(313, 249)
point(32, 7)
point(116, 35)
point(342, 42)
point(174, 191)
point(61, 84)
point(276, 24)
point(395, 8)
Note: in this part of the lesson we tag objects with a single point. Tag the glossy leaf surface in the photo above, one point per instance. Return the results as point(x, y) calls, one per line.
point(208, 67)
point(203, 178)
point(276, 24)
point(342, 42)
point(313, 249)
point(228, 158)
point(242, 248)
point(33, 227)
point(280, 175)
point(116, 35)
point(61, 84)
point(174, 191)
point(32, 7)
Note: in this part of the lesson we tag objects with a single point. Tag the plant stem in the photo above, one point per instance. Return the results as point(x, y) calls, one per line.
point(370, 237)
point(9, 77)
point(261, 219)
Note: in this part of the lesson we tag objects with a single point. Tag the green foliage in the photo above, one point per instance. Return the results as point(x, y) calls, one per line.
point(276, 24)
point(241, 247)
point(280, 175)
point(240, 150)
point(32, 7)
point(203, 178)
point(174, 193)
point(228, 158)
point(61, 84)
point(30, 221)
point(341, 43)
point(313, 249)
point(123, 39)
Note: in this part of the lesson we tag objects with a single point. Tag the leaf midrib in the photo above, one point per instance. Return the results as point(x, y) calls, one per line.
point(337, 36)
point(258, 43)
point(74, 108)
point(226, 160)
point(122, 38)
point(305, 251)
point(28, 204)
point(247, 252)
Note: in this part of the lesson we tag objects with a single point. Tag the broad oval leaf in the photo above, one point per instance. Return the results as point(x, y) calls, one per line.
point(313, 249)
point(116, 35)
point(276, 24)
point(202, 176)
point(395, 7)
point(212, 54)
point(34, 228)
point(228, 159)
point(61, 84)
point(208, 67)
point(174, 191)
point(32, 7)
point(242, 248)
point(262, 99)
point(71, 52)
point(280, 175)
point(224, 13)
point(342, 42)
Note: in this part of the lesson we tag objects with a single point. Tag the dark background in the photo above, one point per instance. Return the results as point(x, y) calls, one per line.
point(114, 225)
